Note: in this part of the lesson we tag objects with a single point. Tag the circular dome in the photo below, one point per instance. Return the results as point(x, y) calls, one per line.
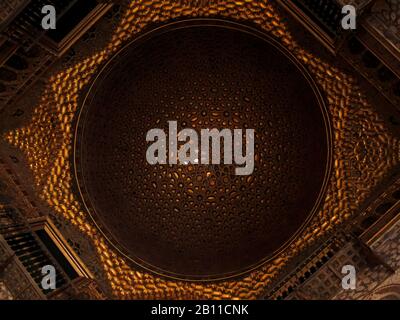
point(202, 221)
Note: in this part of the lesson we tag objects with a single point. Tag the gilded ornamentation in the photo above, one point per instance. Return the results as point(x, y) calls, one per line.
point(364, 149)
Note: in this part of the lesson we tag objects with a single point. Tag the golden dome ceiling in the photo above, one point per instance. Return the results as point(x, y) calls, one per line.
point(49, 138)
point(201, 221)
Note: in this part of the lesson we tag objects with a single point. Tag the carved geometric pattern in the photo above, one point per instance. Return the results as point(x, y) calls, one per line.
point(388, 290)
point(4, 293)
point(8, 7)
point(387, 246)
point(15, 277)
point(364, 149)
point(385, 18)
point(368, 279)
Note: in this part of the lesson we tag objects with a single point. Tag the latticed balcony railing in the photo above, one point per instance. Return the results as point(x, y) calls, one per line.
point(14, 276)
point(25, 250)
point(27, 50)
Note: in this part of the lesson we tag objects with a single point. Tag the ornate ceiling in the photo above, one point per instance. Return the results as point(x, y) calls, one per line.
point(314, 101)
point(201, 221)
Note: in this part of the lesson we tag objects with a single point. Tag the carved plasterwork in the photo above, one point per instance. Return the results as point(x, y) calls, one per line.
point(385, 19)
point(8, 8)
point(388, 290)
point(4, 293)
